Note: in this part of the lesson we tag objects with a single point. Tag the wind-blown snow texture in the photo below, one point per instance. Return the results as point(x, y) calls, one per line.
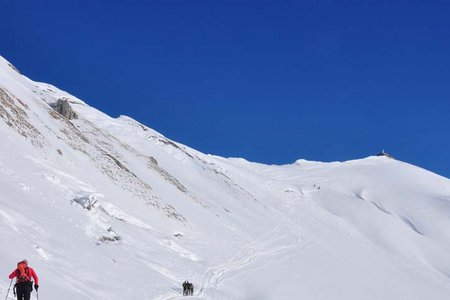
point(108, 208)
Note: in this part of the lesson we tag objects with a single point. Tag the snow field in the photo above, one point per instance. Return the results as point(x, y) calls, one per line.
point(108, 208)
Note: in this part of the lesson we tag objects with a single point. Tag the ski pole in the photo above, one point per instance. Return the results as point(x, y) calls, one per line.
point(8, 289)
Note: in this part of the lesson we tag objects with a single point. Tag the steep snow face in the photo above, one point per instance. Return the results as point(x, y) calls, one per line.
point(108, 208)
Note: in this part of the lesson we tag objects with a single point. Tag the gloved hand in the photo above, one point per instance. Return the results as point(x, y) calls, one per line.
point(36, 287)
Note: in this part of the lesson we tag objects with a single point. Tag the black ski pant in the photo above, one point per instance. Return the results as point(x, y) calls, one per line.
point(23, 290)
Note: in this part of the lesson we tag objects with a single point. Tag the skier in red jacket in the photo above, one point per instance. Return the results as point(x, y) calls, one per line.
point(24, 285)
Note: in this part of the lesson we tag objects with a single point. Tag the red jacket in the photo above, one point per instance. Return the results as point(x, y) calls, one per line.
point(15, 273)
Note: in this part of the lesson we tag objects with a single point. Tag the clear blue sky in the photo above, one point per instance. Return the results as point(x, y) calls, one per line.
point(270, 81)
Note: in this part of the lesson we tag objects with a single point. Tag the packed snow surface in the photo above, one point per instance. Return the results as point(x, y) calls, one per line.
point(108, 208)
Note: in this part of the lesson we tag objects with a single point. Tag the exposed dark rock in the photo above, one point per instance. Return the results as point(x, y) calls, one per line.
point(110, 237)
point(63, 107)
point(13, 67)
point(382, 153)
point(13, 112)
point(153, 163)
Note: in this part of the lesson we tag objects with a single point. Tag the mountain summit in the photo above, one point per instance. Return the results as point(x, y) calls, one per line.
point(108, 208)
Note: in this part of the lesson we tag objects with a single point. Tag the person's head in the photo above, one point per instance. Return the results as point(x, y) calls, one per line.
point(23, 261)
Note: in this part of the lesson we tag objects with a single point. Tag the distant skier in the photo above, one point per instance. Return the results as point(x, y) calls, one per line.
point(24, 285)
point(184, 285)
point(188, 288)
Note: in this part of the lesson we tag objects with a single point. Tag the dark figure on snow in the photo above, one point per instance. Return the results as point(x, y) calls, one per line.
point(184, 285)
point(24, 285)
point(188, 288)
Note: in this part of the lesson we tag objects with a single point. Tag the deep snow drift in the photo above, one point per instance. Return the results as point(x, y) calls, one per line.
point(108, 208)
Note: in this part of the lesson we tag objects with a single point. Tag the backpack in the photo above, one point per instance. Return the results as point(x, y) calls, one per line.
point(23, 273)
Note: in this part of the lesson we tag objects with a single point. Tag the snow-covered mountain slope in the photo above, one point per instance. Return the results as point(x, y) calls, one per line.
point(108, 208)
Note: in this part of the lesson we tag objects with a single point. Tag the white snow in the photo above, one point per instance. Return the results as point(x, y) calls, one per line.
point(108, 208)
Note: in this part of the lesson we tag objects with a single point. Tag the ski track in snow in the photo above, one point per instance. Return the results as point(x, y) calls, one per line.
point(182, 252)
point(262, 248)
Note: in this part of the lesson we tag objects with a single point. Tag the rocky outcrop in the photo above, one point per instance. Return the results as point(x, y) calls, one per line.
point(14, 112)
point(13, 67)
point(382, 153)
point(63, 107)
